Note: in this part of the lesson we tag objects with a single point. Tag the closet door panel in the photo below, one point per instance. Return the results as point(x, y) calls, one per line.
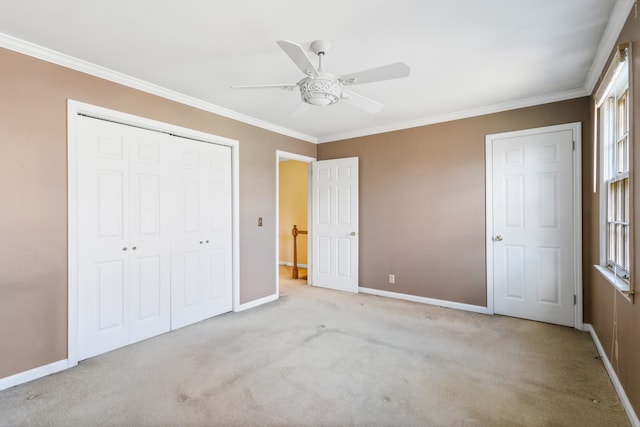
point(103, 230)
point(202, 224)
point(147, 295)
point(187, 234)
point(150, 237)
point(217, 173)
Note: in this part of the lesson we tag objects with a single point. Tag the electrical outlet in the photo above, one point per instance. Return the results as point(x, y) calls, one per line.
point(392, 278)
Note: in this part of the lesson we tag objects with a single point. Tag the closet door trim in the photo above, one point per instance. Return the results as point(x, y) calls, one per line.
point(76, 109)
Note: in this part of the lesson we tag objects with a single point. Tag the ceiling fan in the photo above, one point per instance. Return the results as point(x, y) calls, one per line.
point(322, 88)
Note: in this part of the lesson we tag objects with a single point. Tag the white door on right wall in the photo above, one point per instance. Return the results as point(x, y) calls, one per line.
point(335, 224)
point(531, 229)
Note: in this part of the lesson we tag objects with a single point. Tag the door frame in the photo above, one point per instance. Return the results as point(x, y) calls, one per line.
point(76, 109)
point(300, 158)
point(576, 127)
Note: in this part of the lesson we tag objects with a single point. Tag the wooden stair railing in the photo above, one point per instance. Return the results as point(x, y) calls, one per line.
point(295, 232)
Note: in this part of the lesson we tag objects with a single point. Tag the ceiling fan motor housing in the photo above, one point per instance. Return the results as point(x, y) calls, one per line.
point(320, 90)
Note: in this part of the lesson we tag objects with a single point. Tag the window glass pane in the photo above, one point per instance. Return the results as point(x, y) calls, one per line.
point(622, 118)
point(611, 246)
point(610, 137)
point(621, 147)
point(626, 264)
point(619, 241)
point(618, 196)
point(626, 200)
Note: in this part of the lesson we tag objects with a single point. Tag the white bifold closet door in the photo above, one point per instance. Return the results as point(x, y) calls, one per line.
point(201, 269)
point(154, 233)
point(124, 232)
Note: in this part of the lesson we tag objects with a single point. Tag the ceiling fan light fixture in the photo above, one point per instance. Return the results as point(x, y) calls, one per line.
point(321, 88)
point(320, 91)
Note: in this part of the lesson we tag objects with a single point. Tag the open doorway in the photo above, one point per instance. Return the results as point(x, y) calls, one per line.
point(293, 209)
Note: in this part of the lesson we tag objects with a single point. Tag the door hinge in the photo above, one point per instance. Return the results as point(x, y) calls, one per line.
point(573, 142)
point(575, 299)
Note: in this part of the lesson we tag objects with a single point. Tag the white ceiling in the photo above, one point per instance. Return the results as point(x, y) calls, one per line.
point(467, 57)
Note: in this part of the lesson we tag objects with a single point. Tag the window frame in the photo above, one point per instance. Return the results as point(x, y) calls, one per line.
point(613, 130)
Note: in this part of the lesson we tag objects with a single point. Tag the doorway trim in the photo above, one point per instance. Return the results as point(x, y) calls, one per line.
point(301, 158)
point(577, 209)
point(74, 110)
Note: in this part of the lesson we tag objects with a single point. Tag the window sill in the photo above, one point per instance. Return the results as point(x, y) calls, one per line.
point(618, 283)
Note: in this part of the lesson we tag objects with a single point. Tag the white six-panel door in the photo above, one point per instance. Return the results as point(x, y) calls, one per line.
point(124, 235)
point(532, 230)
point(201, 248)
point(335, 224)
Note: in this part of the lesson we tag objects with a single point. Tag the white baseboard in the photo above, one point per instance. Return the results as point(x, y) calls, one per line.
point(425, 300)
point(290, 264)
point(626, 404)
point(256, 303)
point(33, 374)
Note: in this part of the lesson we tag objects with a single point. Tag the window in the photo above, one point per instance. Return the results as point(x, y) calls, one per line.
point(613, 114)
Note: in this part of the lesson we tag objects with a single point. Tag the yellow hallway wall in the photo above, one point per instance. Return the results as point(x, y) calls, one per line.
point(293, 205)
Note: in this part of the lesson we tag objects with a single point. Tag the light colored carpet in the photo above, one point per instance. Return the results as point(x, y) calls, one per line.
point(320, 357)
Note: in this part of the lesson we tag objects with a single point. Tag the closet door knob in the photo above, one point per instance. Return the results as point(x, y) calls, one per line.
point(200, 241)
point(124, 249)
point(207, 241)
point(134, 248)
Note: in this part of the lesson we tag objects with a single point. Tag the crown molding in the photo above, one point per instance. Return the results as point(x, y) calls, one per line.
point(440, 118)
point(618, 17)
point(616, 22)
point(58, 58)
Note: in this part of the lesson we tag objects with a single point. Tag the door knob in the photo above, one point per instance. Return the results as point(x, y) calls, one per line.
point(498, 238)
point(353, 233)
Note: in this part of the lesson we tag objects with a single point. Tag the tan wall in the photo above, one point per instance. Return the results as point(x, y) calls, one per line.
point(33, 194)
point(422, 200)
point(294, 189)
point(604, 304)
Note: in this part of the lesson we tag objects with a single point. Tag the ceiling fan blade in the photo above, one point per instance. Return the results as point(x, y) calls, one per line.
point(385, 72)
point(362, 102)
point(283, 86)
point(297, 55)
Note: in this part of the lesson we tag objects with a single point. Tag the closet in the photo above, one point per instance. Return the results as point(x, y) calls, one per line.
point(154, 233)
